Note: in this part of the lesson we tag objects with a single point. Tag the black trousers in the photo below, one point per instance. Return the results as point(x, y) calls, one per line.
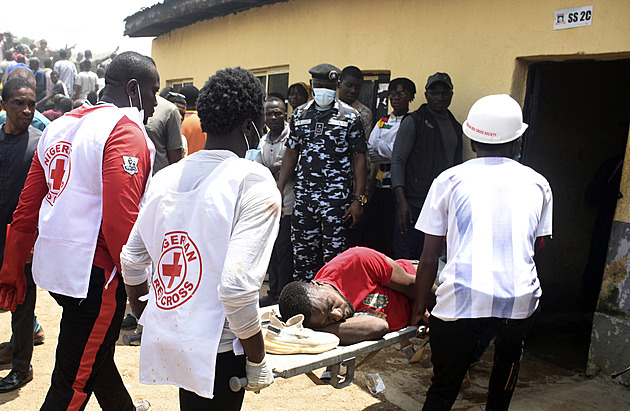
point(22, 320)
point(228, 366)
point(281, 263)
point(453, 346)
point(84, 361)
point(408, 244)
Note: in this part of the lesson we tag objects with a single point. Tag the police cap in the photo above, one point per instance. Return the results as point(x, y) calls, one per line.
point(439, 77)
point(326, 72)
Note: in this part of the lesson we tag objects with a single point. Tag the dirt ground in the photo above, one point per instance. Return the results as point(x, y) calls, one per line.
point(541, 386)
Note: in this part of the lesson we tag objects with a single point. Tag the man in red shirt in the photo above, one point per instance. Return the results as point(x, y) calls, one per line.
point(359, 295)
point(85, 184)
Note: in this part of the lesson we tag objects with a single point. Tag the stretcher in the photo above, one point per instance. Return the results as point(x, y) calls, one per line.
point(340, 361)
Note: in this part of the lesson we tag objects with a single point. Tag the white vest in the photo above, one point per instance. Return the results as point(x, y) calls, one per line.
point(71, 154)
point(187, 236)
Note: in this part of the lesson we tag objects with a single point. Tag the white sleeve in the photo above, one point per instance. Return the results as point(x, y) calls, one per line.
point(545, 224)
point(433, 217)
point(135, 260)
point(249, 251)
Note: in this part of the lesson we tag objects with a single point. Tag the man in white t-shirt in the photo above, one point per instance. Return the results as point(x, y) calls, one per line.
point(86, 81)
point(66, 69)
point(492, 210)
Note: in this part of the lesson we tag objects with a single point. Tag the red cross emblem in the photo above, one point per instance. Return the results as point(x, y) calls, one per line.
point(178, 271)
point(57, 165)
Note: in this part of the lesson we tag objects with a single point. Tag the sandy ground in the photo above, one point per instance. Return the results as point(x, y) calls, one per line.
point(542, 386)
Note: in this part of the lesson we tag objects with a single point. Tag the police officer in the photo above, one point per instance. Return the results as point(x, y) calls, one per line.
point(327, 136)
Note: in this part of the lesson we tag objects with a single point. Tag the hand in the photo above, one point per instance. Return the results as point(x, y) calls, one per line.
point(420, 314)
point(404, 216)
point(356, 210)
point(12, 278)
point(259, 375)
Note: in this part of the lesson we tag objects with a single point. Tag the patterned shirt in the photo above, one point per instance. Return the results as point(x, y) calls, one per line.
point(327, 141)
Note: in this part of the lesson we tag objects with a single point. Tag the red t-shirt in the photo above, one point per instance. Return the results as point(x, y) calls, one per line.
point(361, 275)
point(122, 192)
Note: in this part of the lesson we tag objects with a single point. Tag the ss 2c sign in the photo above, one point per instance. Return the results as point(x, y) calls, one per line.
point(569, 18)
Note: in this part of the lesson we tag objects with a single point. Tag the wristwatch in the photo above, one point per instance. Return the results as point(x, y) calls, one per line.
point(362, 199)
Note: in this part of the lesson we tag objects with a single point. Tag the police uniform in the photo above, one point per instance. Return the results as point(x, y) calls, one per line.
point(327, 141)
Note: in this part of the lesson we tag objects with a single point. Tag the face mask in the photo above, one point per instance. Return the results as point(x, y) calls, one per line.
point(251, 154)
point(323, 96)
point(140, 109)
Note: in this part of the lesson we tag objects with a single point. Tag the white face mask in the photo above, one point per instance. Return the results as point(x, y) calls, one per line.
point(324, 96)
point(251, 154)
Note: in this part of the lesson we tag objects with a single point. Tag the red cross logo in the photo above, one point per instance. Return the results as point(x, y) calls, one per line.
point(172, 270)
point(57, 173)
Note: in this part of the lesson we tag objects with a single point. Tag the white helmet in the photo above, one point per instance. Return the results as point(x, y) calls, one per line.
point(494, 119)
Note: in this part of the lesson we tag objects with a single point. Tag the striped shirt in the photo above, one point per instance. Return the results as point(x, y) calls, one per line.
point(491, 211)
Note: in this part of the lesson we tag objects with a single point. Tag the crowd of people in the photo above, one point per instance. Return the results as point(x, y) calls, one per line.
point(171, 206)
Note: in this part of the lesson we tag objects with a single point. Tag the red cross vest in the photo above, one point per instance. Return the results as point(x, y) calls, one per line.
point(71, 154)
point(187, 234)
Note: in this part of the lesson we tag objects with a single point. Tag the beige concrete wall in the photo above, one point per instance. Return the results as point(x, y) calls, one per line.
point(476, 42)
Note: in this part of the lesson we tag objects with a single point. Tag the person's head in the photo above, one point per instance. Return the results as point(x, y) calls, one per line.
point(92, 97)
point(57, 99)
point(87, 65)
point(275, 113)
point(131, 79)
point(33, 64)
point(65, 105)
point(18, 100)
point(192, 94)
point(494, 124)
point(401, 91)
point(321, 304)
point(54, 77)
point(100, 72)
point(164, 92)
point(77, 103)
point(350, 82)
point(88, 54)
point(43, 43)
point(179, 100)
point(230, 108)
point(8, 55)
point(324, 83)
point(298, 94)
point(22, 72)
point(63, 54)
point(20, 58)
point(439, 92)
point(48, 63)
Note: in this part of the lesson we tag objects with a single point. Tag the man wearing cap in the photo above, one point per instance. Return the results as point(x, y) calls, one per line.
point(428, 142)
point(491, 210)
point(328, 137)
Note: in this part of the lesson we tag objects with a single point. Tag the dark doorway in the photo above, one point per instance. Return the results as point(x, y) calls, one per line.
point(578, 113)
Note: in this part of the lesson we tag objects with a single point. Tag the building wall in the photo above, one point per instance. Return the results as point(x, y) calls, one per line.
point(477, 43)
point(486, 47)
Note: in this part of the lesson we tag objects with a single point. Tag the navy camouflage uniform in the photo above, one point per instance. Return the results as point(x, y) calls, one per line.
point(327, 142)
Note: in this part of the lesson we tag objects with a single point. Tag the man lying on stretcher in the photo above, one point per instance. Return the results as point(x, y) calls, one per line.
point(359, 295)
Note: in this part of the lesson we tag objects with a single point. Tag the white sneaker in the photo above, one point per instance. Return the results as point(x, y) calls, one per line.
point(292, 338)
point(142, 405)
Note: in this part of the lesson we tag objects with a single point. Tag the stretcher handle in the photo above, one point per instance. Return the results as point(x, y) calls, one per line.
point(237, 383)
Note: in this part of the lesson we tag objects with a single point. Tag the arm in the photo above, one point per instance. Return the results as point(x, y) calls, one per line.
point(289, 160)
point(256, 222)
point(427, 271)
point(173, 134)
point(359, 170)
point(401, 281)
point(174, 155)
point(402, 150)
point(122, 192)
point(77, 90)
point(358, 328)
point(136, 269)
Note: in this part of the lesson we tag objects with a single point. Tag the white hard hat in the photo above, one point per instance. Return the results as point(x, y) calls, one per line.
point(494, 119)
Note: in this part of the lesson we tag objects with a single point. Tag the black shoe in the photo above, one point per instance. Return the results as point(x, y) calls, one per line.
point(129, 322)
point(267, 300)
point(15, 380)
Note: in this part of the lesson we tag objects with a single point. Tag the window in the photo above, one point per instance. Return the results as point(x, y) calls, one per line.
point(179, 83)
point(274, 80)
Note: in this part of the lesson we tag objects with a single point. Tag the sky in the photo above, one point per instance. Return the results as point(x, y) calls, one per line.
point(97, 25)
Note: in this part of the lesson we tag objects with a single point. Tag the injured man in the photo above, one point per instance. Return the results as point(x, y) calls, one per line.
point(359, 295)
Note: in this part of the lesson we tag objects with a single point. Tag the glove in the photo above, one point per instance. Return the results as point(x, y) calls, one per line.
point(259, 376)
point(12, 278)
